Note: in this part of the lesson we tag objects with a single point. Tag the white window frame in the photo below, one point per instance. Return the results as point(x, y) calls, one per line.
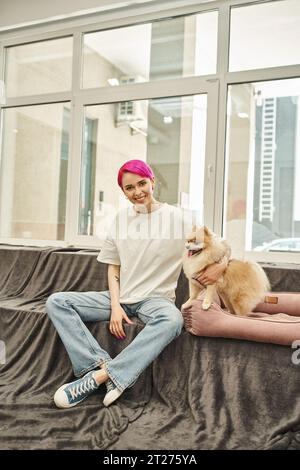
point(215, 86)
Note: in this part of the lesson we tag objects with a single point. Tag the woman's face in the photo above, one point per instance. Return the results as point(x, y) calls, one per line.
point(138, 189)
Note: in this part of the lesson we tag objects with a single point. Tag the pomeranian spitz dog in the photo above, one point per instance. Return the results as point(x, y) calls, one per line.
point(242, 285)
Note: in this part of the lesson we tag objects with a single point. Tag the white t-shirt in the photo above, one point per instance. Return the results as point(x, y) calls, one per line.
point(149, 249)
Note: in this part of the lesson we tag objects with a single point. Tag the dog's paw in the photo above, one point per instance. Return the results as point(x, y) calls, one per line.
point(206, 304)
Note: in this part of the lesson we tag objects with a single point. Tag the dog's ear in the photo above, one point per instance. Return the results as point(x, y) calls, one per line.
point(206, 230)
point(203, 234)
point(200, 234)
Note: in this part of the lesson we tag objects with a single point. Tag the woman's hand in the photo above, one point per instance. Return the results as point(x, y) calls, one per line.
point(116, 319)
point(211, 274)
point(186, 305)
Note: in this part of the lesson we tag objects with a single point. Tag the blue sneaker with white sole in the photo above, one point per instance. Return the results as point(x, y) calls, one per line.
point(72, 393)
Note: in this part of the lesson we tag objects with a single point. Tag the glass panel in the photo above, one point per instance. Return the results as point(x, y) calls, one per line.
point(263, 160)
point(168, 133)
point(180, 47)
point(39, 67)
point(269, 32)
point(34, 172)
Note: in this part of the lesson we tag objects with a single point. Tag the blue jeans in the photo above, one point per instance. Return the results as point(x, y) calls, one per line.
point(69, 310)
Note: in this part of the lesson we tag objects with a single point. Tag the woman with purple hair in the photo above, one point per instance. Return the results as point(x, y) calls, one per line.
point(144, 264)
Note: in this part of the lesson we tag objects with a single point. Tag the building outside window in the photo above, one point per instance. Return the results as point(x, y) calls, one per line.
point(263, 166)
point(262, 143)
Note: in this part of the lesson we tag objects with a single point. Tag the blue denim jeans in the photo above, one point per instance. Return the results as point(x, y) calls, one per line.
point(70, 310)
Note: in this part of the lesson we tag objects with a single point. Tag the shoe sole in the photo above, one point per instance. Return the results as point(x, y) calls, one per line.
point(111, 397)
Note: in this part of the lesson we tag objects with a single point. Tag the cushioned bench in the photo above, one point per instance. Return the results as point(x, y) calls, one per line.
point(200, 393)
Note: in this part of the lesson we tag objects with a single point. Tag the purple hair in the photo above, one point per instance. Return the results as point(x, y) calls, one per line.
point(138, 167)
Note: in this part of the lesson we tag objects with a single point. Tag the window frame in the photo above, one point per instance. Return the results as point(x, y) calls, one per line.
point(216, 85)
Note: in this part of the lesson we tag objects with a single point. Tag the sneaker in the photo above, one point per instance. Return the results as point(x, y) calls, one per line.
point(71, 394)
point(113, 393)
point(109, 384)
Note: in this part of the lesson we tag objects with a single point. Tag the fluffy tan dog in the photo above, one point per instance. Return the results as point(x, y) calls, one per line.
point(242, 285)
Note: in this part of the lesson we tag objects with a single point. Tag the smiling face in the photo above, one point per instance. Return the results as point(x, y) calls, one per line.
point(138, 189)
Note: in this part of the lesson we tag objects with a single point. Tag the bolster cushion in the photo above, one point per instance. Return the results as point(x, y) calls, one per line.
point(274, 321)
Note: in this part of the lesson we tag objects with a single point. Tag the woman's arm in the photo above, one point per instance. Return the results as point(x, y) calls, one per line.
point(114, 284)
point(211, 274)
point(117, 312)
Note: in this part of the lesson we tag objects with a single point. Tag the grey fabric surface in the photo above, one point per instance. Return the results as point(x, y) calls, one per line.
point(200, 393)
point(283, 278)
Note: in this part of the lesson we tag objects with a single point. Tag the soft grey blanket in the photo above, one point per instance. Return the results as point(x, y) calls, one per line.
point(200, 393)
